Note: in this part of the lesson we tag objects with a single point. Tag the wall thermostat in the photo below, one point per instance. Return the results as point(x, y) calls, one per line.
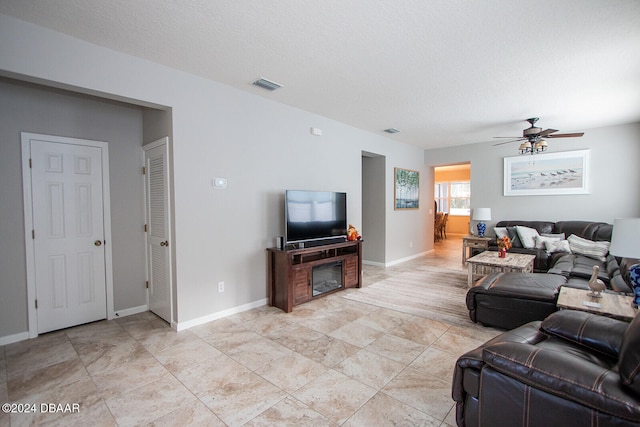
point(220, 183)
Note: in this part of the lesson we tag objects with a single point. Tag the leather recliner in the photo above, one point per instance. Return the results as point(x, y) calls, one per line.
point(572, 369)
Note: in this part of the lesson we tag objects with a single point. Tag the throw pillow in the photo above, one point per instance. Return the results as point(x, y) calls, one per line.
point(513, 235)
point(557, 246)
point(541, 240)
point(560, 236)
point(527, 236)
point(589, 248)
point(500, 231)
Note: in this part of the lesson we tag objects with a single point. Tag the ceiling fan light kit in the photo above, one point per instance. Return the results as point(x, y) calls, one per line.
point(533, 138)
point(533, 147)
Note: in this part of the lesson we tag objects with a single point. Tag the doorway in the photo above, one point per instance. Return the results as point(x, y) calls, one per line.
point(67, 231)
point(373, 208)
point(452, 194)
point(158, 228)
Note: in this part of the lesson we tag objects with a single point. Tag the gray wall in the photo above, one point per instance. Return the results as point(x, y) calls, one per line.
point(260, 146)
point(156, 124)
point(614, 178)
point(30, 108)
point(373, 209)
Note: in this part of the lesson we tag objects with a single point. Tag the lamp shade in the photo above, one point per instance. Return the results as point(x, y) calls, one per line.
point(482, 214)
point(625, 238)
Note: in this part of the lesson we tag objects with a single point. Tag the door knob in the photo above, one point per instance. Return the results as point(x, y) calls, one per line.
point(165, 243)
point(97, 242)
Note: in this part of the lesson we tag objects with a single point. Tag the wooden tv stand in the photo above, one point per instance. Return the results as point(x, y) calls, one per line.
point(290, 275)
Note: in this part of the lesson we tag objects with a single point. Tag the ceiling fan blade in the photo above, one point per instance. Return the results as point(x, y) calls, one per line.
point(566, 135)
point(548, 132)
point(507, 142)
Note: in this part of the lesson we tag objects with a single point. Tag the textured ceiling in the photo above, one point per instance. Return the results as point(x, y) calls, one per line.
point(445, 72)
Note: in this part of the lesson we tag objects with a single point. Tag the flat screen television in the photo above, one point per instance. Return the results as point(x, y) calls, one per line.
point(315, 216)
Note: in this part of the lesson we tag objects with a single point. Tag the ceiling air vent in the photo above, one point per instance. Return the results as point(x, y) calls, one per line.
point(392, 130)
point(267, 84)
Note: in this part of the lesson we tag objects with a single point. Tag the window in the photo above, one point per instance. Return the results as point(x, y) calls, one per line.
point(453, 197)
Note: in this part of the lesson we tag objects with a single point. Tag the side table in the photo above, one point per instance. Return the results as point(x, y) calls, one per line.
point(473, 242)
point(611, 304)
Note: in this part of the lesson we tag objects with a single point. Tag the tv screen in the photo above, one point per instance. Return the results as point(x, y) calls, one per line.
point(315, 215)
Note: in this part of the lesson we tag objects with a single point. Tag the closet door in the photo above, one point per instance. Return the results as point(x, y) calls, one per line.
point(159, 251)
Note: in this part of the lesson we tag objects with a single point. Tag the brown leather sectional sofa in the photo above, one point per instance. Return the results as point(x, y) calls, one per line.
point(509, 300)
point(572, 369)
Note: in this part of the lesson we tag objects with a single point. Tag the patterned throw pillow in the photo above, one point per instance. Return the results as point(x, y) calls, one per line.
point(542, 240)
point(527, 236)
point(560, 236)
point(557, 246)
point(589, 248)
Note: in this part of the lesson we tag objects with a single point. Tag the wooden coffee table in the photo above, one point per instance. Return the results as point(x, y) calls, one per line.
point(489, 262)
point(611, 304)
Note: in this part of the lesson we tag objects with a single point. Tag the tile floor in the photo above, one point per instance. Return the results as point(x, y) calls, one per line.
point(330, 362)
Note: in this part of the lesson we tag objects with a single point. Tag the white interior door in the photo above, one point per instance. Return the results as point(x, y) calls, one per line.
point(68, 233)
point(158, 227)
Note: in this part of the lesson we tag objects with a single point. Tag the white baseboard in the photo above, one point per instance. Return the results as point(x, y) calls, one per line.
point(409, 258)
point(180, 326)
point(10, 339)
point(130, 311)
point(396, 262)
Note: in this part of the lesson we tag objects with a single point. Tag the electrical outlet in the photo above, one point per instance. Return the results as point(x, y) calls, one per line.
point(411, 244)
point(220, 286)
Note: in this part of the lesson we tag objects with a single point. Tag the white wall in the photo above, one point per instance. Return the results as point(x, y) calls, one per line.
point(261, 147)
point(614, 178)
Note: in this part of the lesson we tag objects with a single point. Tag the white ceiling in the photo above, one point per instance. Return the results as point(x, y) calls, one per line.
point(445, 72)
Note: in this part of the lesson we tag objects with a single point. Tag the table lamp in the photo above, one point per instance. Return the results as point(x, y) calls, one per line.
point(625, 242)
point(482, 214)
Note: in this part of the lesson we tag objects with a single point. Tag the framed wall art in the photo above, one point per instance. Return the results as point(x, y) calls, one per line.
point(547, 174)
point(406, 189)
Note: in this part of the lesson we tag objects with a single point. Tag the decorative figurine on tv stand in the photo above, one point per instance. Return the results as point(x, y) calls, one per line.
point(352, 234)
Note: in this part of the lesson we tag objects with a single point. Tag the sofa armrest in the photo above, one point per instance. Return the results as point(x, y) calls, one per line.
point(597, 333)
point(566, 375)
point(472, 360)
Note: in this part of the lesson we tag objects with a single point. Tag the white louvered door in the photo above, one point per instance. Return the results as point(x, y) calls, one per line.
point(158, 228)
point(68, 224)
